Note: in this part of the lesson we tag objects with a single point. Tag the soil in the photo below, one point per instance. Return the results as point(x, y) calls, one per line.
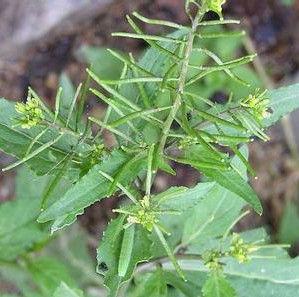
point(271, 26)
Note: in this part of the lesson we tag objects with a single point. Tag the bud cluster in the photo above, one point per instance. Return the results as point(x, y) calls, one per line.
point(258, 105)
point(31, 113)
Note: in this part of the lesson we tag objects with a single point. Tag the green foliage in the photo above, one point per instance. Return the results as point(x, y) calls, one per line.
point(217, 286)
point(160, 111)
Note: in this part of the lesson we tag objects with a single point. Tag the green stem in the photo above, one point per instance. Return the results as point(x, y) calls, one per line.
point(182, 79)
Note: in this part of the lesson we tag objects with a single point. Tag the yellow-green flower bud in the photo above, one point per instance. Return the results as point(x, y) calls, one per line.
point(240, 250)
point(258, 105)
point(31, 113)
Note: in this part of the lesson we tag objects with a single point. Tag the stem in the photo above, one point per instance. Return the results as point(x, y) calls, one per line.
point(181, 83)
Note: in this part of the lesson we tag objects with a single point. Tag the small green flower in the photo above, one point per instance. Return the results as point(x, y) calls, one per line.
point(212, 260)
point(144, 216)
point(258, 104)
point(31, 113)
point(187, 141)
point(240, 250)
point(97, 153)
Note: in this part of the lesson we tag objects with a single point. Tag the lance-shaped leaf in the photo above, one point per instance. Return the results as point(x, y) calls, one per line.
point(218, 286)
point(182, 198)
point(91, 188)
point(228, 179)
point(232, 181)
point(111, 247)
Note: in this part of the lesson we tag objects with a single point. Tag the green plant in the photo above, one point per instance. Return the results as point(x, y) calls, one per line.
point(175, 243)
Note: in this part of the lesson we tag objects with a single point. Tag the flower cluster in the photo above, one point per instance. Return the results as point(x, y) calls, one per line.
point(187, 141)
point(258, 104)
point(31, 113)
point(212, 260)
point(144, 216)
point(240, 250)
point(96, 154)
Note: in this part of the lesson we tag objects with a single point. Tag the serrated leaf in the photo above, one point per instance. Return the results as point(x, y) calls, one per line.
point(15, 141)
point(65, 291)
point(48, 273)
point(90, 188)
point(182, 198)
point(109, 252)
point(217, 286)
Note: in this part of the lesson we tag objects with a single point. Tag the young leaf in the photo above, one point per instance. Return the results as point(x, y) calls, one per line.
point(126, 250)
point(217, 286)
point(110, 249)
point(181, 198)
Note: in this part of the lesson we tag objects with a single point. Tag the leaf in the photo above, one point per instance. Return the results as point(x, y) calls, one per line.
point(152, 285)
point(232, 181)
point(65, 291)
point(282, 101)
point(217, 211)
point(217, 286)
point(19, 231)
point(15, 141)
point(67, 95)
point(289, 225)
point(182, 198)
point(48, 273)
point(90, 188)
point(188, 288)
point(109, 253)
point(102, 62)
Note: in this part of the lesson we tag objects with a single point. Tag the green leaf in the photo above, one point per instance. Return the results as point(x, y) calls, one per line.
point(217, 286)
point(282, 101)
point(67, 95)
point(152, 285)
point(110, 249)
point(102, 62)
point(289, 225)
point(19, 231)
point(217, 211)
point(48, 273)
point(90, 188)
point(15, 141)
point(182, 198)
point(65, 291)
point(232, 181)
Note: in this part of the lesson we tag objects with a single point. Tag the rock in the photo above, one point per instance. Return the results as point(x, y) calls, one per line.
point(25, 22)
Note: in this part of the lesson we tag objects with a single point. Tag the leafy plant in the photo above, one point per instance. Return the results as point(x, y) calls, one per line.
point(174, 243)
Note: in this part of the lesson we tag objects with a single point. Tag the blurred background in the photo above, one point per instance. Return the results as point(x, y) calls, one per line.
point(46, 43)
